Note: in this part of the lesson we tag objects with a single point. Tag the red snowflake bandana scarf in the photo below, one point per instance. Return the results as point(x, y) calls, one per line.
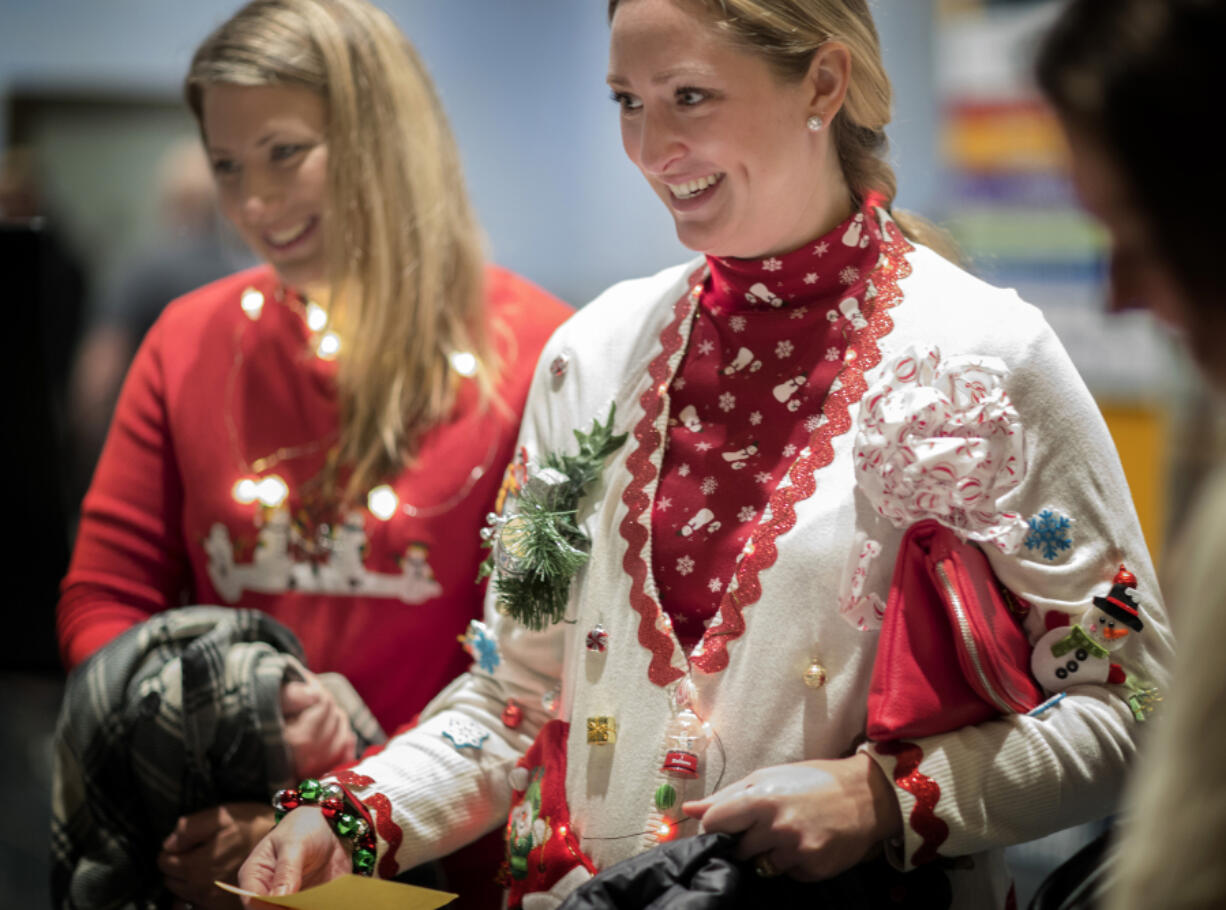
point(767, 342)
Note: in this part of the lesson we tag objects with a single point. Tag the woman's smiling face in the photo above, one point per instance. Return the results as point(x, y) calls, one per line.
point(720, 136)
point(268, 149)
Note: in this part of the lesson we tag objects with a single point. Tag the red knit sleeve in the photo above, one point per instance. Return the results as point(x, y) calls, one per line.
point(129, 559)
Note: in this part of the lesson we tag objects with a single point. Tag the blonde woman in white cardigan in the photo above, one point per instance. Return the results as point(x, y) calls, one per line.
point(792, 401)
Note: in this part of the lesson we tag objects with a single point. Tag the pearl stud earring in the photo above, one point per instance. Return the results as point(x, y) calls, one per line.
point(814, 123)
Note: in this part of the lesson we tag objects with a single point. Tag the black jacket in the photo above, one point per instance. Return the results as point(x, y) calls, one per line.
point(699, 873)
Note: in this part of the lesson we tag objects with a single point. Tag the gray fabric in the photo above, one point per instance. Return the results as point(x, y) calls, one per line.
point(177, 714)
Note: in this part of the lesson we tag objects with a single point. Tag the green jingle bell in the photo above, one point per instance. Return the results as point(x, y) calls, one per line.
point(310, 789)
point(363, 861)
point(346, 824)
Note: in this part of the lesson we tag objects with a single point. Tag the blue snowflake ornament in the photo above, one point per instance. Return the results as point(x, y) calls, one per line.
point(481, 646)
point(1050, 533)
point(465, 734)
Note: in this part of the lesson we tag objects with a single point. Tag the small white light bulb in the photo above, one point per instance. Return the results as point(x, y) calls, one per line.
point(464, 363)
point(271, 491)
point(329, 346)
point(244, 491)
point(382, 502)
point(252, 302)
point(316, 317)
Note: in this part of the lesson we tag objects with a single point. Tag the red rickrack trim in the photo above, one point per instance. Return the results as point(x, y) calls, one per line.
point(924, 822)
point(634, 530)
point(760, 553)
point(377, 809)
point(353, 779)
point(388, 830)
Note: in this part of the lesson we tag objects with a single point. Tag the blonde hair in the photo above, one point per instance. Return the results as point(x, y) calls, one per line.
point(786, 34)
point(404, 253)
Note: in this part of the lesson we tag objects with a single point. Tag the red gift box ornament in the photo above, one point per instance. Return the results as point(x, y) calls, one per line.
point(685, 741)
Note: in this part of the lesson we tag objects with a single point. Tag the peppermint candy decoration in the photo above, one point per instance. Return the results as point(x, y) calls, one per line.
point(941, 439)
point(598, 639)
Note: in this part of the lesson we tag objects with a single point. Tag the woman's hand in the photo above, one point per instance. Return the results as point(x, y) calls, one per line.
point(301, 852)
point(811, 820)
point(209, 846)
point(317, 730)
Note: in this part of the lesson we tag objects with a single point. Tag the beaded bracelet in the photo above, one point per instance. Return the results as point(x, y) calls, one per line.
point(330, 798)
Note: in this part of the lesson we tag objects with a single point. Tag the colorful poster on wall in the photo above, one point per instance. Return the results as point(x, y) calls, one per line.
point(1010, 202)
point(1012, 208)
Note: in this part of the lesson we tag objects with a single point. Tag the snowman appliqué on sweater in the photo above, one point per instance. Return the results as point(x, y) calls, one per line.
point(1078, 654)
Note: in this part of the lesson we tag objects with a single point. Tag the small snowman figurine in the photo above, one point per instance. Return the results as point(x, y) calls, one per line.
point(1081, 654)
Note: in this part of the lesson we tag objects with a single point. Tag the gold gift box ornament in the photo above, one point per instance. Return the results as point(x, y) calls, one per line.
point(601, 731)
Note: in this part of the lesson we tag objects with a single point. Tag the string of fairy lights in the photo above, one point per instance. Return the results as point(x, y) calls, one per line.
point(260, 484)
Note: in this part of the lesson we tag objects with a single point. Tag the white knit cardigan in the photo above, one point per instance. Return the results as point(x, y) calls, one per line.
point(988, 786)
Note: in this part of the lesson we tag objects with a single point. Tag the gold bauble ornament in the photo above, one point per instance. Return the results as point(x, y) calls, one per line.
point(815, 675)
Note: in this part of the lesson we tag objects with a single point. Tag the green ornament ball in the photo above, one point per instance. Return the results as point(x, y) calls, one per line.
point(311, 789)
point(666, 797)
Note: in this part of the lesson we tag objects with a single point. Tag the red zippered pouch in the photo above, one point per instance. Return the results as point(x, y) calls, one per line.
point(952, 651)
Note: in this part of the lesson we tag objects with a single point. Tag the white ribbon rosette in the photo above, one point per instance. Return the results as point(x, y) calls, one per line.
point(940, 439)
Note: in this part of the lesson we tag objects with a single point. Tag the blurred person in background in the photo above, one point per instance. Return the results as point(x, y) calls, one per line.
point(1131, 81)
point(47, 287)
point(316, 439)
point(24, 201)
point(788, 405)
point(190, 250)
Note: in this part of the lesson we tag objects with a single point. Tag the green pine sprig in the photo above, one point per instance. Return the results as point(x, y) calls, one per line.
point(541, 540)
point(584, 468)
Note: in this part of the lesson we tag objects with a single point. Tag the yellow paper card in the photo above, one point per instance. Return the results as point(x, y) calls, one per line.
point(351, 891)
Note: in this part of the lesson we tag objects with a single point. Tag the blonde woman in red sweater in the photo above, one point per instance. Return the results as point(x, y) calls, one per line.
point(320, 437)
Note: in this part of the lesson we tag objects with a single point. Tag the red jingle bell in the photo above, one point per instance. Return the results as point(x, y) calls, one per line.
point(289, 799)
point(330, 807)
point(512, 714)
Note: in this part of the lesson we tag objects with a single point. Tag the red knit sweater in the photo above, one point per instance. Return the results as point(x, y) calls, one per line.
point(217, 394)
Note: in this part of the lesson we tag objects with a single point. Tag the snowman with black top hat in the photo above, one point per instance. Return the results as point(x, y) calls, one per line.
point(1068, 656)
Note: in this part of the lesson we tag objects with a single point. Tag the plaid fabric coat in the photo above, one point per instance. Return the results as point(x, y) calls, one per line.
point(177, 714)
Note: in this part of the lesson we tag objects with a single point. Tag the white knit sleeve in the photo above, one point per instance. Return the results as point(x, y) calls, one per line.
point(1022, 777)
point(444, 783)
